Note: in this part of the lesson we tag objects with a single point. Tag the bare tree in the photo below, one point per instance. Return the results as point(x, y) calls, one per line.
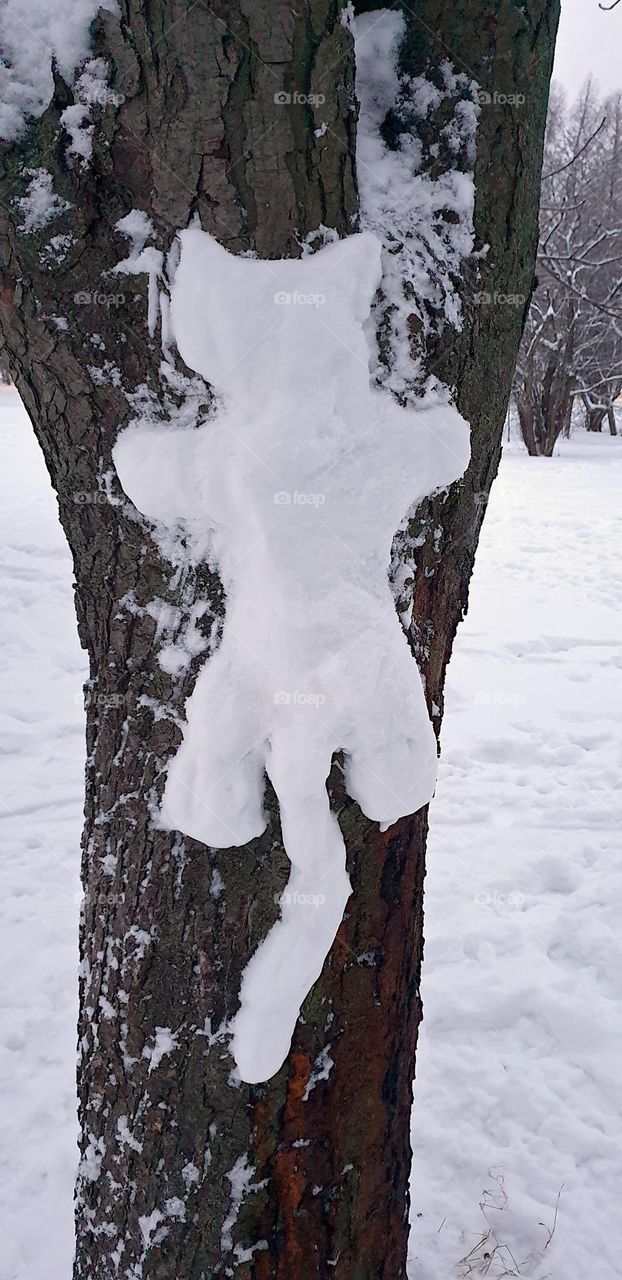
point(572, 346)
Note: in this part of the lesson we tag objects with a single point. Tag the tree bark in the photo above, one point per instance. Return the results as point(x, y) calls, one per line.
point(526, 419)
point(593, 417)
point(186, 1172)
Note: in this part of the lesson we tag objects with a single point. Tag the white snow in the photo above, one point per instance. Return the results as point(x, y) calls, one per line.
point(520, 1056)
point(425, 221)
point(240, 1178)
point(125, 1135)
point(30, 37)
point(138, 228)
point(75, 120)
point(41, 204)
point(165, 1041)
point(41, 780)
point(520, 1052)
point(303, 476)
point(191, 1175)
point(91, 89)
point(149, 1224)
point(149, 261)
point(321, 1071)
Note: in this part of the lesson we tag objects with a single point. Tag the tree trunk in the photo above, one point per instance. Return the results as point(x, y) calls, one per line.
point(611, 419)
point(568, 418)
point(593, 417)
point(559, 422)
point(185, 1171)
point(526, 418)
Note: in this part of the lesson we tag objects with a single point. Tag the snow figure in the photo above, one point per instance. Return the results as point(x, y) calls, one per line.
point(302, 476)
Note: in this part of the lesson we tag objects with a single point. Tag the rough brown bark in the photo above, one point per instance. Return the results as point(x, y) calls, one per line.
point(594, 418)
point(326, 1147)
point(545, 405)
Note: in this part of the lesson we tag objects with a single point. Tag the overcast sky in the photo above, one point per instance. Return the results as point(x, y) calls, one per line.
point(589, 41)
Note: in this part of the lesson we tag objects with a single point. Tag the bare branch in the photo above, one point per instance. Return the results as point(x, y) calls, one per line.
point(553, 174)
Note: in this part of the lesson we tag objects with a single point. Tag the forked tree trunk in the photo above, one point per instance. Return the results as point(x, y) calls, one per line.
point(187, 1174)
point(544, 410)
point(593, 417)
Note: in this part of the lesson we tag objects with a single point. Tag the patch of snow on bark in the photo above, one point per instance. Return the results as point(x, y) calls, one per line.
point(125, 1135)
point(31, 37)
point(75, 120)
point(142, 260)
point(417, 197)
point(165, 1041)
point(300, 478)
point(91, 1162)
point(41, 204)
point(321, 1071)
point(241, 1181)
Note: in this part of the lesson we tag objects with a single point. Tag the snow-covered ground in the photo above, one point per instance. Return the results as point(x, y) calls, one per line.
point(41, 780)
point(521, 1051)
point(519, 1068)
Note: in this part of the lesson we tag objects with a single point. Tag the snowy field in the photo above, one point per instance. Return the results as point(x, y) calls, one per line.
point(519, 1070)
point(521, 1052)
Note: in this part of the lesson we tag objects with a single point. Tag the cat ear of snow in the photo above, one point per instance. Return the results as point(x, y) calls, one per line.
point(350, 270)
point(208, 295)
point(223, 305)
